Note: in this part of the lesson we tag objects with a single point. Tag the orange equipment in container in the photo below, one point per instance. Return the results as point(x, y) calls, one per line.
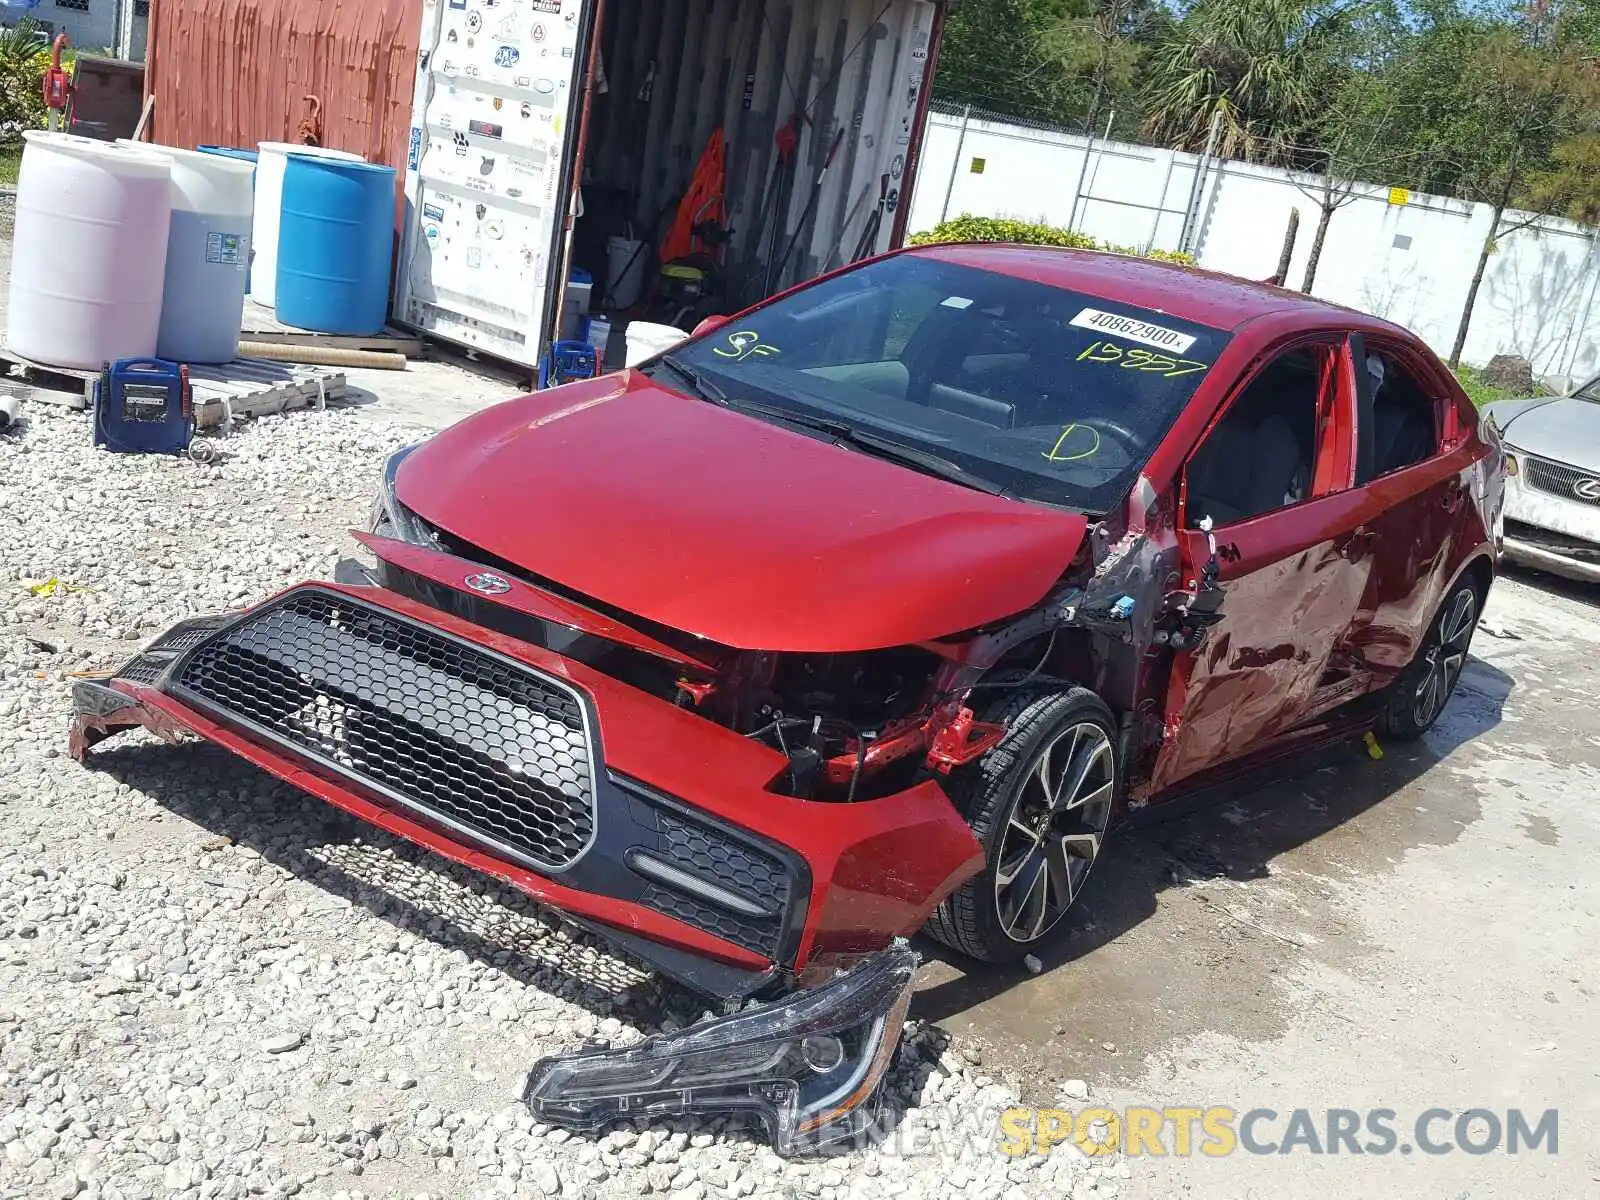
point(703, 204)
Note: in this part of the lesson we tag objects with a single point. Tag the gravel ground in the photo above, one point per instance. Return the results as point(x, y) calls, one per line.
point(212, 985)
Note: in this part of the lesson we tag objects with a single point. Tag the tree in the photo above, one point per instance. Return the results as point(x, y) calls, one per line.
point(1260, 69)
point(1495, 99)
point(1358, 140)
point(992, 58)
point(1570, 186)
point(1103, 47)
point(21, 101)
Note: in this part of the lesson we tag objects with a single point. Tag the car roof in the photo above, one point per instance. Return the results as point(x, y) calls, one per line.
point(1189, 293)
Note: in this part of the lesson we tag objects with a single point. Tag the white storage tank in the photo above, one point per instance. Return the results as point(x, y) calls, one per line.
point(208, 255)
point(269, 212)
point(89, 251)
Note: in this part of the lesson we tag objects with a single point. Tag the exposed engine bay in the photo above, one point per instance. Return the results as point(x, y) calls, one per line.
point(853, 726)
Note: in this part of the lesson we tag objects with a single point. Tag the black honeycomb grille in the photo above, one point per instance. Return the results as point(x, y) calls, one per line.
point(190, 634)
point(159, 655)
point(490, 748)
point(732, 866)
point(755, 934)
point(144, 669)
point(1558, 479)
point(728, 864)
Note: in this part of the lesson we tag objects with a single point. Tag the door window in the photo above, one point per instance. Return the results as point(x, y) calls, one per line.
point(1405, 417)
point(1262, 455)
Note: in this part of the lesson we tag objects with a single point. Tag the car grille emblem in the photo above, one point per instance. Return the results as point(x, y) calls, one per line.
point(1587, 489)
point(489, 585)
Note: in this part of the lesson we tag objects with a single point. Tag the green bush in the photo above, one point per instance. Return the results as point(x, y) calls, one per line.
point(1479, 392)
point(22, 66)
point(967, 228)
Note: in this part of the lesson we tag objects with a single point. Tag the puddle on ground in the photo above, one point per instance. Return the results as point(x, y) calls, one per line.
point(1540, 829)
point(1205, 920)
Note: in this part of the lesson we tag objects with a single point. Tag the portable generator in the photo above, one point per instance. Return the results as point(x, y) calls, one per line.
point(568, 362)
point(144, 406)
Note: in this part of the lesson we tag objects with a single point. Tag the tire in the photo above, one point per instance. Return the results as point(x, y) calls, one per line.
point(995, 920)
point(1419, 694)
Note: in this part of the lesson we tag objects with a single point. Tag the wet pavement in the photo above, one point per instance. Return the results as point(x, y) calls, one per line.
point(1411, 932)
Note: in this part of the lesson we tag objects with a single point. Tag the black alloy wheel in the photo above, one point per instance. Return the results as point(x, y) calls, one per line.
point(1422, 690)
point(1040, 803)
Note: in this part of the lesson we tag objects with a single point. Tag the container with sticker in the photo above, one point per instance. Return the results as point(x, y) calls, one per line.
point(208, 254)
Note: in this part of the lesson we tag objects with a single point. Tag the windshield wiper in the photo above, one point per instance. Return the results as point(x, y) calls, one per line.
point(922, 460)
point(842, 432)
point(875, 444)
point(701, 386)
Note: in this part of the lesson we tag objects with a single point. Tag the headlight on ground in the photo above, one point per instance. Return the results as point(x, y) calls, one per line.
point(809, 1067)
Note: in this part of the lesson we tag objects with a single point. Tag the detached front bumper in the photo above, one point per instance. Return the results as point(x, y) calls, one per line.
point(633, 817)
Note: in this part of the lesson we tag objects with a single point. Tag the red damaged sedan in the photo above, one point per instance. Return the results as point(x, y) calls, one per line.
point(864, 613)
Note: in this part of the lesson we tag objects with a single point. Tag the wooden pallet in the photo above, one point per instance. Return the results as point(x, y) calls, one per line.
point(246, 387)
point(260, 324)
point(65, 386)
point(254, 387)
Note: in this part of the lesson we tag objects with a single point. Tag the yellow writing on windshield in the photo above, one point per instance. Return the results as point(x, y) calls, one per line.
point(746, 343)
point(1133, 358)
point(1065, 451)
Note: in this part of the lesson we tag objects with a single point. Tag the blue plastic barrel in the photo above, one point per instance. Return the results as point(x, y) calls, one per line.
point(336, 245)
point(247, 156)
point(230, 152)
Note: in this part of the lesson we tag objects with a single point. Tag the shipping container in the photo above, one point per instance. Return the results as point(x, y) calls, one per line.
point(242, 72)
point(531, 134)
point(545, 130)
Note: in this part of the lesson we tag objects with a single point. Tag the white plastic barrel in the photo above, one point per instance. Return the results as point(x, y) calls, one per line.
point(269, 213)
point(208, 255)
point(89, 251)
point(626, 261)
point(646, 340)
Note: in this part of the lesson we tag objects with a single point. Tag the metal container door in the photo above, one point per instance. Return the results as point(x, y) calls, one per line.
point(494, 118)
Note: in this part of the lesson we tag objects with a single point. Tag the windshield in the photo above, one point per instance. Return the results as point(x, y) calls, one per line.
point(1051, 395)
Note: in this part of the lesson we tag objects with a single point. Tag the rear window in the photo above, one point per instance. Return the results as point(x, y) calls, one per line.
point(1059, 396)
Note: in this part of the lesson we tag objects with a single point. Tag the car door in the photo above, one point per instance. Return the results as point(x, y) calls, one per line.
point(1410, 477)
point(1290, 567)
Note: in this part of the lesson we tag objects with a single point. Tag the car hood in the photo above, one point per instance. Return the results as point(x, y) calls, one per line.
point(716, 524)
point(1559, 427)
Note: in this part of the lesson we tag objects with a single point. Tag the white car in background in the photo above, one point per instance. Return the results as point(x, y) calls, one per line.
point(1552, 510)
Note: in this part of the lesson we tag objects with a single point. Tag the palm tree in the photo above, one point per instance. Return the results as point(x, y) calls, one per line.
point(19, 44)
point(1261, 68)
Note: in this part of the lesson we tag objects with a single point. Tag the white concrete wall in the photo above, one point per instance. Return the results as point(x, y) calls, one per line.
point(94, 31)
point(1538, 297)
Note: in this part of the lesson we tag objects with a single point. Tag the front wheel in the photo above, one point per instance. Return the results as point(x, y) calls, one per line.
point(1040, 803)
point(1422, 690)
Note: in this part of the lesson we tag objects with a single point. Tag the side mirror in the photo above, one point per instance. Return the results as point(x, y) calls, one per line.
point(709, 325)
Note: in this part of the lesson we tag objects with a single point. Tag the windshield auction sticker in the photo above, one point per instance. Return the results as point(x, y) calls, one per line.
point(1134, 331)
